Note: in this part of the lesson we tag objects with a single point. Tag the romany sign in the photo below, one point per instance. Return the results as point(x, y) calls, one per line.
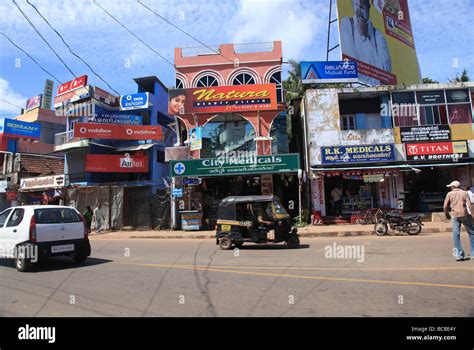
point(282, 163)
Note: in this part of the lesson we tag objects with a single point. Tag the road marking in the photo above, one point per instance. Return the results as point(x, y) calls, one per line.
point(340, 279)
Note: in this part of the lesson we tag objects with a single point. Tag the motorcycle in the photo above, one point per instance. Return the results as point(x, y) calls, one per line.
point(408, 224)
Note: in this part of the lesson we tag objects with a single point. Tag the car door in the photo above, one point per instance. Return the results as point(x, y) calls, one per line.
point(12, 228)
point(4, 243)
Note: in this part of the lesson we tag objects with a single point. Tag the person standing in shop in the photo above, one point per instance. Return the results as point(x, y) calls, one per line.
point(336, 199)
point(457, 207)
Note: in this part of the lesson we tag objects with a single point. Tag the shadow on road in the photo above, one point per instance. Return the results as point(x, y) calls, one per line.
point(56, 264)
point(271, 247)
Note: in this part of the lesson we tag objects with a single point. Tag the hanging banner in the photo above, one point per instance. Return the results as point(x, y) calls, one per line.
point(236, 98)
point(111, 163)
point(117, 131)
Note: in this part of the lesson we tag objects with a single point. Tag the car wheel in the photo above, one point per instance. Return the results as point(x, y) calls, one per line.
point(22, 264)
point(225, 243)
point(79, 258)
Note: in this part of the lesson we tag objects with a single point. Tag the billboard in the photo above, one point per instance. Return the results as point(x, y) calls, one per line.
point(48, 93)
point(329, 72)
point(221, 99)
point(73, 96)
point(117, 131)
point(105, 97)
point(135, 101)
point(377, 34)
point(111, 163)
point(34, 102)
point(72, 85)
point(20, 129)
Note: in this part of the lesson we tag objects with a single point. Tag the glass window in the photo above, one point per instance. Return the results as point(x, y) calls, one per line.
point(206, 81)
point(4, 216)
point(457, 96)
point(179, 83)
point(348, 122)
point(243, 79)
point(279, 134)
point(56, 216)
point(403, 97)
point(16, 218)
point(430, 97)
point(460, 114)
point(276, 79)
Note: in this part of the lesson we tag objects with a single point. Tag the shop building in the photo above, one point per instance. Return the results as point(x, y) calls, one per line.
point(234, 101)
point(389, 147)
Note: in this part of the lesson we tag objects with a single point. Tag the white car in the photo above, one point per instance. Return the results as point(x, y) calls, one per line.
point(29, 233)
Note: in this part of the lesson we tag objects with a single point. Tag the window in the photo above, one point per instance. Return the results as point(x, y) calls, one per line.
point(460, 114)
point(433, 115)
point(243, 79)
point(275, 78)
point(179, 83)
point(279, 134)
point(4, 216)
point(16, 218)
point(56, 216)
point(206, 81)
point(348, 122)
point(404, 109)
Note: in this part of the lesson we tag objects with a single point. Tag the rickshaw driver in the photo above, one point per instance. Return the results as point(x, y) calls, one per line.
point(262, 216)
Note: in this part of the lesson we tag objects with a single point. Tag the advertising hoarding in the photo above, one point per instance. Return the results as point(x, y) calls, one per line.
point(118, 131)
point(78, 94)
point(378, 35)
point(48, 94)
point(72, 85)
point(20, 129)
point(111, 163)
point(135, 101)
point(425, 133)
point(329, 72)
point(105, 97)
point(34, 102)
point(236, 98)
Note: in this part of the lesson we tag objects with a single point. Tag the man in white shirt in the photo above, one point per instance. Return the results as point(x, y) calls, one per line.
point(362, 41)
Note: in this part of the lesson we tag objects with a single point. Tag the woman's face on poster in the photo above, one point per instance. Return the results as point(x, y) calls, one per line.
point(176, 104)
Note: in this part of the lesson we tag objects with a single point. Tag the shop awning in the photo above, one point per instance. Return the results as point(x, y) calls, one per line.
point(135, 147)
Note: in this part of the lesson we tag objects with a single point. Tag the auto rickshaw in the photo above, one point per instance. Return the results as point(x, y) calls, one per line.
point(250, 219)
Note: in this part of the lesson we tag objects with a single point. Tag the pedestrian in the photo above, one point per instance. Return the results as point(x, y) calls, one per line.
point(88, 214)
point(336, 199)
point(98, 217)
point(457, 206)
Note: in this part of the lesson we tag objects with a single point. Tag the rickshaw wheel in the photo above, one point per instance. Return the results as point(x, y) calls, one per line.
point(293, 242)
point(225, 243)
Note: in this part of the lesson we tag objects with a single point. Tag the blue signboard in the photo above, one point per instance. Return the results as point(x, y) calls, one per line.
point(134, 101)
point(329, 72)
point(110, 118)
point(177, 192)
point(11, 127)
point(191, 181)
point(358, 154)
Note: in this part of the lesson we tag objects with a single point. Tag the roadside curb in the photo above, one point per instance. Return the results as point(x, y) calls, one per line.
point(117, 235)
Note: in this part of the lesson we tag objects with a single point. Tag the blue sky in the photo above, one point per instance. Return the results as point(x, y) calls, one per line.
point(443, 30)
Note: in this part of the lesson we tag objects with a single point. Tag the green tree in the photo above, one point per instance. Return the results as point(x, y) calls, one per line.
point(464, 78)
point(427, 80)
point(293, 85)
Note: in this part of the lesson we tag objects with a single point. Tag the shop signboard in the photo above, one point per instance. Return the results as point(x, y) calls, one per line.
point(20, 129)
point(111, 118)
point(329, 72)
point(235, 98)
point(378, 35)
point(48, 93)
point(430, 97)
point(72, 85)
point(433, 151)
point(191, 181)
point(281, 163)
point(177, 192)
point(34, 102)
point(42, 182)
point(425, 133)
point(191, 220)
point(111, 163)
point(135, 101)
point(118, 131)
point(358, 154)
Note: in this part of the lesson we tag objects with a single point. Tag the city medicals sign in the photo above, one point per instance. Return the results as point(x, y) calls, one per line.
point(377, 34)
point(281, 163)
point(111, 163)
point(329, 72)
point(236, 98)
point(432, 151)
point(118, 131)
point(20, 129)
point(358, 154)
point(135, 101)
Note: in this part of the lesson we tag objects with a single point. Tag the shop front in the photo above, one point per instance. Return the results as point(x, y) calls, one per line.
point(42, 190)
point(200, 184)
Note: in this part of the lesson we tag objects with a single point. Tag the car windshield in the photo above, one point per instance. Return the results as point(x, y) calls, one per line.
point(56, 216)
point(279, 209)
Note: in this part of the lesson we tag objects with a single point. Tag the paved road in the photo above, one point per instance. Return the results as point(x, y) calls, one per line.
point(395, 276)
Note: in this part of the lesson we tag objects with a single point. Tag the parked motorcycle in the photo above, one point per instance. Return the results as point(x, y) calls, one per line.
point(408, 224)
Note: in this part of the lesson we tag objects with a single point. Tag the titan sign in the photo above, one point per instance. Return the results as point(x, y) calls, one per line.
point(117, 131)
point(282, 163)
point(357, 154)
point(436, 151)
point(219, 99)
point(378, 36)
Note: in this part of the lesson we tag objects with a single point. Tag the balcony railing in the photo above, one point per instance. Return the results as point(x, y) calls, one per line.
point(65, 137)
point(200, 50)
point(254, 47)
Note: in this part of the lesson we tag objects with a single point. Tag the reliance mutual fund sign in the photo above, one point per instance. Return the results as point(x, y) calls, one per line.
point(281, 163)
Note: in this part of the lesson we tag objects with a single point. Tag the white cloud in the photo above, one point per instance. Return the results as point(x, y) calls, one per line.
point(295, 24)
point(8, 94)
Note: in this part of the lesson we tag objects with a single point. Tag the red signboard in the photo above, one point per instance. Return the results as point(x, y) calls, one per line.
point(436, 150)
point(117, 131)
point(100, 163)
point(72, 85)
point(236, 98)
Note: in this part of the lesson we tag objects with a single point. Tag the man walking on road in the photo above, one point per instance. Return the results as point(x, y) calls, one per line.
point(459, 203)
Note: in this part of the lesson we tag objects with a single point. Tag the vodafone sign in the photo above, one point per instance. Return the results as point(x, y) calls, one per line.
point(436, 150)
point(117, 131)
point(101, 163)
